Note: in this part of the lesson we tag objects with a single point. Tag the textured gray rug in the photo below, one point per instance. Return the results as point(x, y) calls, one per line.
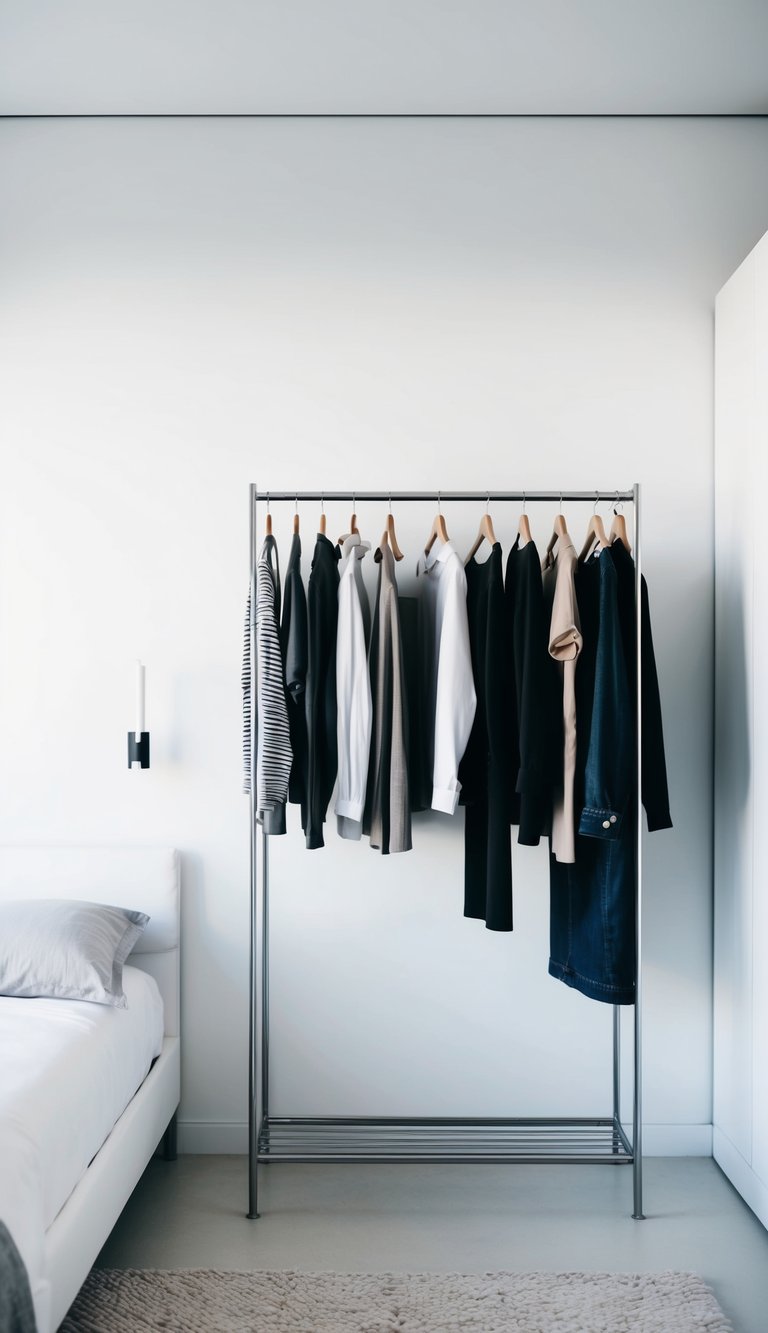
point(200, 1300)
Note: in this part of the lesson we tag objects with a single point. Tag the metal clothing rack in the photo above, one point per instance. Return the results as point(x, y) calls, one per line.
point(337, 1139)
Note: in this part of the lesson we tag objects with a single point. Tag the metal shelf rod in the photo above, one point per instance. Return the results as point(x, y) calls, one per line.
point(456, 1159)
point(484, 1121)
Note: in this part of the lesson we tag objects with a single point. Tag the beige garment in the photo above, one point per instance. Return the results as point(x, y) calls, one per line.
point(558, 571)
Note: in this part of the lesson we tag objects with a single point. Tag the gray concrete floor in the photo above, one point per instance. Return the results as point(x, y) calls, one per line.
point(190, 1214)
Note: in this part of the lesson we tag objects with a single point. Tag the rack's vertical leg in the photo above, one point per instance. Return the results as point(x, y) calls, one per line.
point(616, 1076)
point(253, 1063)
point(265, 981)
point(637, 1106)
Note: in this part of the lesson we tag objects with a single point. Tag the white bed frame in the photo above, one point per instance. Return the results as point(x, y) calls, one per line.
point(146, 879)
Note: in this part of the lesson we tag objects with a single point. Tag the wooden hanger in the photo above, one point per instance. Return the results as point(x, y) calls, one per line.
point(559, 530)
point(353, 528)
point(438, 529)
point(595, 535)
point(484, 533)
point(524, 527)
point(389, 538)
point(619, 528)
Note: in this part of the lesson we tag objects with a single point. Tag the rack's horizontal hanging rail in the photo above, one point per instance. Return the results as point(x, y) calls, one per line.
point(447, 497)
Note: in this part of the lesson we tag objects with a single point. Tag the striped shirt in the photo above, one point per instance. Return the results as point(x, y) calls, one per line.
point(273, 751)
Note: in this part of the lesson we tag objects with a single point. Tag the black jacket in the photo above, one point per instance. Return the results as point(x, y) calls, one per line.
point(655, 788)
point(322, 756)
point(294, 642)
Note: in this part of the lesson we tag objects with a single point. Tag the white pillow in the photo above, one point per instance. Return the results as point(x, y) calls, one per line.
point(66, 950)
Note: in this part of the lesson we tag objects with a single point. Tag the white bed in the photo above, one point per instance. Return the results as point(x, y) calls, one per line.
point(87, 1090)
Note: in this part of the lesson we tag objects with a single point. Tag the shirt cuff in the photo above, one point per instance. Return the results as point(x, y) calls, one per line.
point(600, 823)
point(350, 809)
point(446, 798)
point(658, 819)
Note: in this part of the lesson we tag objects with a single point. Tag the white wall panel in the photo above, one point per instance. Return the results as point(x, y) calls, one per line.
point(760, 903)
point(734, 706)
point(741, 732)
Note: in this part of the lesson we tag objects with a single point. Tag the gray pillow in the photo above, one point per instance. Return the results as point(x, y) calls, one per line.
point(66, 950)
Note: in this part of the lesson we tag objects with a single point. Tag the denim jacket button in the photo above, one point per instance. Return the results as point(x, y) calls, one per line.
point(606, 823)
point(613, 819)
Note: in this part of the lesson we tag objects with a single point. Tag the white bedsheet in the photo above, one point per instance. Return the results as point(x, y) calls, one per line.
point(68, 1069)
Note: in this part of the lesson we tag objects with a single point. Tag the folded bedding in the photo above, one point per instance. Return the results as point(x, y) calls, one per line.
point(70, 1068)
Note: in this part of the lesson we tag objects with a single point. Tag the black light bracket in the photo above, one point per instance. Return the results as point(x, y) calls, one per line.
point(138, 749)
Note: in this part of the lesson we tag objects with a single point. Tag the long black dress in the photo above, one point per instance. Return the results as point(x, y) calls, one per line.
point(536, 704)
point(484, 772)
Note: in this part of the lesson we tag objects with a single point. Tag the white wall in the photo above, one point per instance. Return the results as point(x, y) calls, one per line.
point(191, 305)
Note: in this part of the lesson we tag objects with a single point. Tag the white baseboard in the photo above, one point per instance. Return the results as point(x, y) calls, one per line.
point(752, 1189)
point(677, 1140)
point(210, 1136)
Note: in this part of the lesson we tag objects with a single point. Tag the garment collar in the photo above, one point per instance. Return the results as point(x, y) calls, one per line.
point(438, 555)
point(353, 544)
point(562, 545)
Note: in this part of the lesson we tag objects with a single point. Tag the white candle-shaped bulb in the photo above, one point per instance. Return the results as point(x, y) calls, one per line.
point(140, 698)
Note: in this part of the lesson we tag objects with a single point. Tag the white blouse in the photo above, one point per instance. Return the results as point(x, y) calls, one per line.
point(353, 689)
point(449, 685)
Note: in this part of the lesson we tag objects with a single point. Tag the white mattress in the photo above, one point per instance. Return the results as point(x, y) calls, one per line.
point(69, 1069)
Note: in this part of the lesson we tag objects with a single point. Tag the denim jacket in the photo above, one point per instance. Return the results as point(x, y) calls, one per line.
point(608, 774)
point(592, 902)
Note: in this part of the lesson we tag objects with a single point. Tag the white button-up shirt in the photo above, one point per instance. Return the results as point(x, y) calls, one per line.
point(449, 688)
point(353, 689)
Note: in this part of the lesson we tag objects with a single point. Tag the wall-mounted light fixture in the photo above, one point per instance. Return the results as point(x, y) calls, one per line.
point(138, 740)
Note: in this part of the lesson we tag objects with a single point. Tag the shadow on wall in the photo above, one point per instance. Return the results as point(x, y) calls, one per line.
point(211, 987)
point(733, 740)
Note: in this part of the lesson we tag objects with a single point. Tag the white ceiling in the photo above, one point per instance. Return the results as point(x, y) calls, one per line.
point(60, 57)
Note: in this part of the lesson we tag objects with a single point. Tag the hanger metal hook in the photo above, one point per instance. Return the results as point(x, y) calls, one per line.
point(618, 505)
point(267, 501)
point(296, 506)
point(438, 503)
point(488, 503)
point(594, 507)
point(561, 502)
point(390, 504)
point(524, 501)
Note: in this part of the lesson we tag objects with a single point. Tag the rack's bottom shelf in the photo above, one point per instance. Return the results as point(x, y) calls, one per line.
point(368, 1139)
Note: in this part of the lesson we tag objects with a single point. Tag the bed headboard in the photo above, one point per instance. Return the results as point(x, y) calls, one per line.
point(143, 878)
